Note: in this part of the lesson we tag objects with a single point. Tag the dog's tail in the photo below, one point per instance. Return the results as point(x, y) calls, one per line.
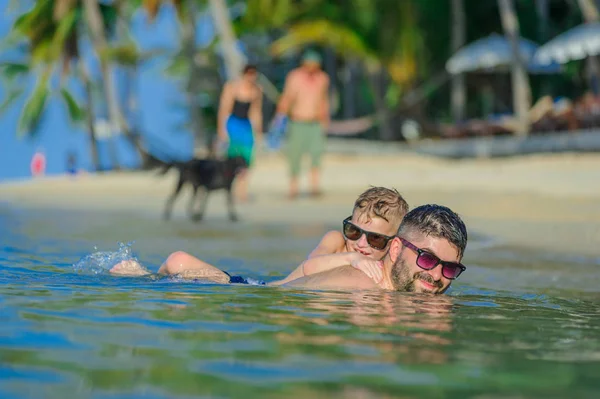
point(166, 166)
point(151, 162)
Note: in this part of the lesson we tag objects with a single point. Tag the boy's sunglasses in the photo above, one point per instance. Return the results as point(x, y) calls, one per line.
point(375, 240)
point(428, 261)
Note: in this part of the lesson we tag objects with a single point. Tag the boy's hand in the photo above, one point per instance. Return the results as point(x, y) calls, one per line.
point(371, 267)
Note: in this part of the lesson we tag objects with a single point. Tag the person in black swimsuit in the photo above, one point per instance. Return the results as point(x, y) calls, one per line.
point(240, 121)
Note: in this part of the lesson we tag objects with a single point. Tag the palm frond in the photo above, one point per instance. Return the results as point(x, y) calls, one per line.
point(10, 99)
point(342, 39)
point(34, 108)
point(63, 32)
point(76, 113)
point(12, 70)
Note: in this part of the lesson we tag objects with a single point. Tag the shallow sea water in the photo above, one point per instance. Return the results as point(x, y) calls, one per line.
point(518, 324)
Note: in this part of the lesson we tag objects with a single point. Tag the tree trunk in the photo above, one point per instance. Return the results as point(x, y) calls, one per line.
point(96, 26)
point(542, 8)
point(129, 90)
point(330, 68)
point(543, 13)
point(188, 36)
point(590, 14)
point(231, 54)
point(520, 79)
point(349, 89)
point(85, 78)
point(589, 10)
point(458, 89)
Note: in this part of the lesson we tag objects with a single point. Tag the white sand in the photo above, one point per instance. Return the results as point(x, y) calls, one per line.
point(544, 201)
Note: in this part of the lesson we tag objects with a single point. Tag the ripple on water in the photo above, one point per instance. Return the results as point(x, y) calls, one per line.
point(69, 329)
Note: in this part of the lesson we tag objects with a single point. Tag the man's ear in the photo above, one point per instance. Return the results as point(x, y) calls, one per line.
point(395, 249)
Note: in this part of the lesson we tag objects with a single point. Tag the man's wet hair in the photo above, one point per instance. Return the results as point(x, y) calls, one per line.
point(381, 202)
point(435, 221)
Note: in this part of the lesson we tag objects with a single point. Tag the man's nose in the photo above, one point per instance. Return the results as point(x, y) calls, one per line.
point(362, 241)
point(436, 273)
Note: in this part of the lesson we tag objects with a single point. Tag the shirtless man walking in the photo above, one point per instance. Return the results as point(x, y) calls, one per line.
point(305, 101)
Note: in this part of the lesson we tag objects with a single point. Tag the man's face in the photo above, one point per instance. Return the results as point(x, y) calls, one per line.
point(311, 66)
point(251, 75)
point(406, 275)
point(374, 225)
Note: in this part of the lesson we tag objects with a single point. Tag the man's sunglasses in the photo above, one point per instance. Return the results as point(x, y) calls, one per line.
point(375, 240)
point(428, 261)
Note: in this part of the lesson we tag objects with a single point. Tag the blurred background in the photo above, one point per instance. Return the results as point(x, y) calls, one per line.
point(91, 85)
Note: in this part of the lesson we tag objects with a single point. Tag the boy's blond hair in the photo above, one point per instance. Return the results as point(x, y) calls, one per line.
point(381, 202)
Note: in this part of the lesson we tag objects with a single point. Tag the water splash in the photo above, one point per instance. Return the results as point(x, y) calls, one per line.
point(100, 262)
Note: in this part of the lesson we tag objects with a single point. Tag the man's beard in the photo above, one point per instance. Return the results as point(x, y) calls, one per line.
point(403, 280)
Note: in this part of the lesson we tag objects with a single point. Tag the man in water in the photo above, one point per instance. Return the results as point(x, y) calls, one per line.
point(305, 100)
point(424, 257)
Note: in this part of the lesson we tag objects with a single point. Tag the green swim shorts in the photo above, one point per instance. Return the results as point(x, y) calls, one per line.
point(304, 138)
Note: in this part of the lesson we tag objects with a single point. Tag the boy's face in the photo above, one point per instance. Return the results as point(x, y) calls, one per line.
point(373, 225)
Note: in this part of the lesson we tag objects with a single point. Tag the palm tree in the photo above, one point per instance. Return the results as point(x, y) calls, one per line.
point(50, 29)
point(590, 14)
point(98, 35)
point(458, 89)
point(187, 12)
point(520, 79)
point(589, 10)
point(233, 58)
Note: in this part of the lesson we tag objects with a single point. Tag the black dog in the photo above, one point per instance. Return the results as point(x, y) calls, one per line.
point(210, 174)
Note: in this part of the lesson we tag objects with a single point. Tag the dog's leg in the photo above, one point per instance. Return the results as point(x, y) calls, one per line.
point(192, 202)
point(204, 198)
point(171, 200)
point(232, 215)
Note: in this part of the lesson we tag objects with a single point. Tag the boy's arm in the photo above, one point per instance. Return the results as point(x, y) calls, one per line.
point(331, 243)
point(327, 255)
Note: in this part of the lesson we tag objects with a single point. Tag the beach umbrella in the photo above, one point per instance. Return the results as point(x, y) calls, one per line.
point(493, 53)
point(575, 44)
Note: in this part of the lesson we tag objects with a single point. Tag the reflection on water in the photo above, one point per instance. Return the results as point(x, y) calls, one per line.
point(508, 329)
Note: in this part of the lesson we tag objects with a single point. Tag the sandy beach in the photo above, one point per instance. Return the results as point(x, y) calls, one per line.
point(547, 202)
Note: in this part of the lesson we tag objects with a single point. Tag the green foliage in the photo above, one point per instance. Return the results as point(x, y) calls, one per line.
point(76, 113)
point(50, 42)
point(13, 70)
point(33, 110)
point(339, 37)
point(11, 97)
point(265, 15)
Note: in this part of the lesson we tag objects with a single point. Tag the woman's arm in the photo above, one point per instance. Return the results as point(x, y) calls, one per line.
point(256, 117)
point(225, 107)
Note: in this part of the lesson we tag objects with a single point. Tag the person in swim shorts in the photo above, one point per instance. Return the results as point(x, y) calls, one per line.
point(239, 121)
point(305, 101)
point(362, 243)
